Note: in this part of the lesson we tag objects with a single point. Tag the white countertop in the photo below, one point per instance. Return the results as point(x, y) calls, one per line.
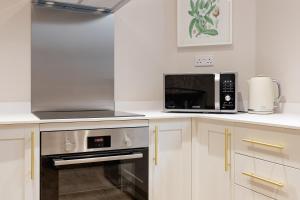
point(18, 118)
point(290, 121)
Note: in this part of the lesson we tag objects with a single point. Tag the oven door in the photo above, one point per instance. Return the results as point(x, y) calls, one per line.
point(99, 176)
point(192, 92)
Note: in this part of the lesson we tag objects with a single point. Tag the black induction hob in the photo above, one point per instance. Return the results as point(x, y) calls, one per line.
point(44, 115)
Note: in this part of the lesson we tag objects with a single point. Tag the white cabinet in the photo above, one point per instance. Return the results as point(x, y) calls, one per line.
point(267, 161)
point(18, 162)
point(170, 159)
point(272, 144)
point(242, 193)
point(211, 161)
point(268, 178)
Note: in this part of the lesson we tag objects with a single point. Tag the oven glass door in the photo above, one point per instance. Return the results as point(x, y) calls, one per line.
point(193, 92)
point(101, 176)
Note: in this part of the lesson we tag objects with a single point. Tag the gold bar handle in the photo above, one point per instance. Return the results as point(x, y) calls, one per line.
point(263, 144)
point(227, 148)
point(253, 176)
point(32, 154)
point(225, 151)
point(156, 146)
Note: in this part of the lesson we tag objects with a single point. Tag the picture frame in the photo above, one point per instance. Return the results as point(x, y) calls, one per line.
point(204, 22)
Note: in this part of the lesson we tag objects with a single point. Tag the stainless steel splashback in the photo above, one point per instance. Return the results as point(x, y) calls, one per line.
point(72, 60)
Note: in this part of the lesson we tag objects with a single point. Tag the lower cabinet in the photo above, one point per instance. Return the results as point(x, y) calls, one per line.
point(201, 159)
point(18, 167)
point(211, 161)
point(170, 159)
point(271, 179)
point(189, 159)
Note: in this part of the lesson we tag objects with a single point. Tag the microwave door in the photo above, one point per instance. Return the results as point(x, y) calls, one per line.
point(191, 92)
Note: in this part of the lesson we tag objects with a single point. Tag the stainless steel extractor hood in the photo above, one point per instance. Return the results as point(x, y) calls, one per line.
point(97, 6)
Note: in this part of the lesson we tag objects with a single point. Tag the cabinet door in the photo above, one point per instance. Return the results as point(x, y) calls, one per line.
point(211, 158)
point(170, 173)
point(271, 179)
point(242, 193)
point(17, 180)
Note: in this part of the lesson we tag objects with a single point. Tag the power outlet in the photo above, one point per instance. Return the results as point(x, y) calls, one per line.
point(204, 61)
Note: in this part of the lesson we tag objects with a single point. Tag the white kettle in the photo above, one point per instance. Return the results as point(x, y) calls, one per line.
point(264, 94)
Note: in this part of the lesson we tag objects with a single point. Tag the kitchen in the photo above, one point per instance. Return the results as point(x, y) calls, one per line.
point(187, 159)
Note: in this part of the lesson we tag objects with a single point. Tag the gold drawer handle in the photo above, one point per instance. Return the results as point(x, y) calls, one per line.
point(253, 176)
point(263, 144)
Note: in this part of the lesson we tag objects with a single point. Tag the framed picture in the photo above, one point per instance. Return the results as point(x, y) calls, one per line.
point(204, 22)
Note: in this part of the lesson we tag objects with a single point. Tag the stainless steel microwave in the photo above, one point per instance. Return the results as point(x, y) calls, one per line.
point(216, 93)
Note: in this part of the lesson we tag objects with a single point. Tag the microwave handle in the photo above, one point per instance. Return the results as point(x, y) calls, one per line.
point(217, 91)
point(61, 162)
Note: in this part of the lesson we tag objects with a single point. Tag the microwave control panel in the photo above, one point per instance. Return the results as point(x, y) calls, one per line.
point(227, 92)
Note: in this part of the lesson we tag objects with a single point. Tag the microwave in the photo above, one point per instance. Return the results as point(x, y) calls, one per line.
point(215, 93)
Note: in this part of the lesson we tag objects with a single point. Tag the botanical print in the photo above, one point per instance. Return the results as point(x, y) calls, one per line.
point(205, 15)
point(204, 22)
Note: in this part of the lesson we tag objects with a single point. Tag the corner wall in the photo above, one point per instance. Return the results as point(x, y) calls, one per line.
point(278, 41)
point(15, 36)
point(146, 47)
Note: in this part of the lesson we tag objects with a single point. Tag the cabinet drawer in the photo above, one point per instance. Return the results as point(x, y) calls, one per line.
point(269, 144)
point(271, 179)
point(242, 193)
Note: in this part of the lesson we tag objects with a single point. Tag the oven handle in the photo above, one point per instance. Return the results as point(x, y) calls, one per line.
point(61, 162)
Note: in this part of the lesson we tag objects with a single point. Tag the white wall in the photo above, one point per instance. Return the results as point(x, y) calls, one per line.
point(14, 50)
point(278, 40)
point(146, 47)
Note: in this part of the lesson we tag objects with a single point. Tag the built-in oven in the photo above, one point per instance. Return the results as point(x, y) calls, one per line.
point(200, 92)
point(102, 164)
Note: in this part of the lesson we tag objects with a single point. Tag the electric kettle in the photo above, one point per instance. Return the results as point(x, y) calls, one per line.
point(264, 94)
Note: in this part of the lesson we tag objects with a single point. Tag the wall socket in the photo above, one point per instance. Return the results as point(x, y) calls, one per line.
point(204, 61)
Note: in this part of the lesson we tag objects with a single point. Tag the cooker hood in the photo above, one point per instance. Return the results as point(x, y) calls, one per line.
point(97, 6)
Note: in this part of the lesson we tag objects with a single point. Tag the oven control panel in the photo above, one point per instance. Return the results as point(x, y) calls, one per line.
point(98, 142)
point(94, 140)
